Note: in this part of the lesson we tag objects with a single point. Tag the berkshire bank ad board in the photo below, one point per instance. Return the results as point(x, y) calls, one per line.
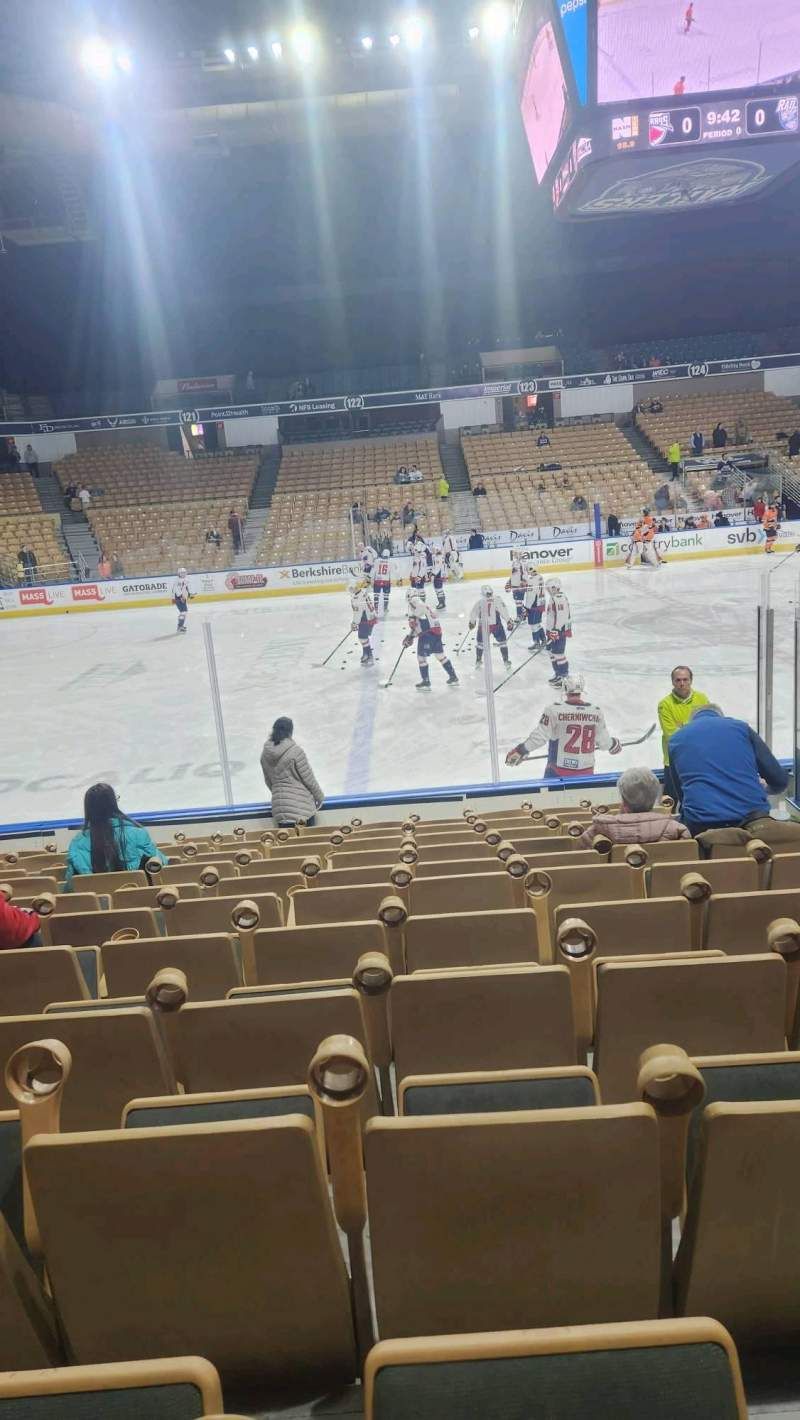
point(575, 554)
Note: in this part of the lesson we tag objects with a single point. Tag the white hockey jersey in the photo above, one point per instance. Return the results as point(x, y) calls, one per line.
point(362, 605)
point(496, 610)
point(180, 591)
point(419, 562)
point(368, 559)
point(382, 572)
point(535, 594)
point(449, 546)
point(427, 620)
point(572, 733)
point(519, 576)
point(439, 565)
point(558, 617)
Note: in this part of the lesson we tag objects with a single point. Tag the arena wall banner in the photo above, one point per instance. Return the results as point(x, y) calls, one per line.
point(568, 555)
point(696, 370)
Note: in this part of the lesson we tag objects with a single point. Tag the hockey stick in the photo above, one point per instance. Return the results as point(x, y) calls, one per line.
point(520, 667)
point(319, 664)
point(623, 744)
point(384, 684)
point(462, 642)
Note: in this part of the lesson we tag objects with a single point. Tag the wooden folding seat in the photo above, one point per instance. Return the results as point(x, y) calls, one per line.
point(33, 976)
point(506, 1018)
point(209, 962)
point(785, 871)
point(679, 850)
point(469, 1229)
point(65, 902)
point(470, 892)
point(456, 938)
point(48, 864)
point(152, 1390)
point(738, 1250)
point(629, 928)
point(355, 903)
point(706, 1005)
point(266, 1300)
point(28, 1329)
point(322, 952)
point(722, 875)
point(116, 1055)
point(189, 871)
point(270, 867)
point(104, 884)
point(737, 922)
point(251, 1043)
point(30, 884)
point(623, 1369)
point(498, 1091)
point(473, 847)
point(148, 896)
point(221, 1107)
point(91, 929)
point(199, 916)
point(605, 882)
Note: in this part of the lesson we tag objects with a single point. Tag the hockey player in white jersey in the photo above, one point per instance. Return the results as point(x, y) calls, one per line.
point(425, 627)
point(498, 618)
point(557, 629)
point(382, 583)
point(363, 617)
point(535, 604)
point(449, 548)
point(439, 573)
point(181, 596)
point(368, 557)
point(573, 729)
point(518, 581)
point(419, 564)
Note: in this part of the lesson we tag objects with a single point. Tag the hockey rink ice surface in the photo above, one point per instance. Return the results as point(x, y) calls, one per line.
point(642, 48)
point(118, 696)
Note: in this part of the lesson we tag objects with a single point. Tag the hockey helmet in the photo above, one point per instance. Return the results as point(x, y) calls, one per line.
point(181, 571)
point(487, 591)
point(572, 685)
point(553, 585)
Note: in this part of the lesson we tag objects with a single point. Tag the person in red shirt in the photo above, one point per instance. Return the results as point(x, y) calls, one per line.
point(759, 508)
point(680, 86)
point(688, 19)
point(18, 927)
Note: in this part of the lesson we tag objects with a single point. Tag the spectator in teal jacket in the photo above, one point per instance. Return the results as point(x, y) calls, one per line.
point(110, 842)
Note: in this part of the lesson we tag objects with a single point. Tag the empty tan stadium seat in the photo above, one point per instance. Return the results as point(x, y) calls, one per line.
point(560, 1373)
point(453, 938)
point(603, 882)
point(498, 1091)
point(681, 850)
point(724, 875)
point(632, 928)
point(189, 871)
point(468, 1226)
point(500, 1019)
point(708, 1006)
point(66, 902)
point(272, 1308)
point(324, 952)
point(737, 922)
point(210, 964)
point(116, 1055)
point(148, 896)
point(33, 976)
point(785, 872)
point(738, 1249)
point(104, 884)
point(467, 893)
point(149, 1388)
point(91, 929)
point(202, 915)
point(28, 1334)
point(336, 904)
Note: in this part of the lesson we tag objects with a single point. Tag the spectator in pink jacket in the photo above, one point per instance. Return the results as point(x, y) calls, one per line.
point(638, 820)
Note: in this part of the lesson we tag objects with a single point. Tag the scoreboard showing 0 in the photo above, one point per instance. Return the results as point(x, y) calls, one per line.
point(715, 123)
point(626, 112)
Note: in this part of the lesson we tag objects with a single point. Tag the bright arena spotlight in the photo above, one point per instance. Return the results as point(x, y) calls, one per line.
point(230, 54)
point(276, 49)
point(413, 31)
point(123, 60)
point(394, 39)
point(97, 58)
point(305, 44)
point(367, 42)
point(252, 52)
point(497, 20)
point(473, 31)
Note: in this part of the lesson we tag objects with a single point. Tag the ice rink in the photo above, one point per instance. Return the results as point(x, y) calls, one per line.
point(643, 49)
point(118, 696)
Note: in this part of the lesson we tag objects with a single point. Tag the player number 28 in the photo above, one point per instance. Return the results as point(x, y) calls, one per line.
point(580, 739)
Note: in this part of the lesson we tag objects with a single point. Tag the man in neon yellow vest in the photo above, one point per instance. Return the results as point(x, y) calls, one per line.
point(675, 710)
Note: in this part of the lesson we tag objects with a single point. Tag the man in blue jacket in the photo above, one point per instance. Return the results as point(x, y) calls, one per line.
point(719, 764)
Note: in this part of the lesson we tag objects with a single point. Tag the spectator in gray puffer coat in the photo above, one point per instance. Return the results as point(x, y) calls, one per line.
point(296, 795)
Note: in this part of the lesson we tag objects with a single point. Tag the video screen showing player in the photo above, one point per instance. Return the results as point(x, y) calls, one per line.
point(544, 96)
point(654, 48)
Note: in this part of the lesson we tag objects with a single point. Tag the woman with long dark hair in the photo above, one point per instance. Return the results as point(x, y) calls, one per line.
point(110, 842)
point(296, 795)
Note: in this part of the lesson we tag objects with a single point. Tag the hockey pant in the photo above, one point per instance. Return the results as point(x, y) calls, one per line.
point(649, 554)
point(181, 606)
point(557, 646)
point(365, 626)
point(498, 631)
point(438, 586)
point(418, 583)
point(385, 588)
point(429, 643)
point(535, 623)
point(518, 593)
point(771, 536)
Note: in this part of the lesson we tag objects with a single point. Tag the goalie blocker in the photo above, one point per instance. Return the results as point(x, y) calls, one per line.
point(573, 730)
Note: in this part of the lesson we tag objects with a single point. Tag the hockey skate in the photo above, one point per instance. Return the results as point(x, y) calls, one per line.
point(452, 679)
point(555, 680)
point(423, 685)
